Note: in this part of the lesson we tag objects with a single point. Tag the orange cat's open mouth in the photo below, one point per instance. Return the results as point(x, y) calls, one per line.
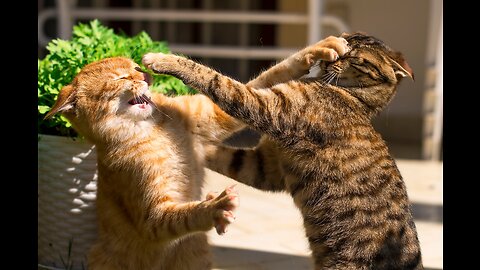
point(142, 100)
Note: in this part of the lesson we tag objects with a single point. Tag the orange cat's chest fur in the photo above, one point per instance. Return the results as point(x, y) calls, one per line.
point(154, 162)
point(149, 164)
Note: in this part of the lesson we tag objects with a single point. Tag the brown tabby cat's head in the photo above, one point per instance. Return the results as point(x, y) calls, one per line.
point(103, 90)
point(369, 67)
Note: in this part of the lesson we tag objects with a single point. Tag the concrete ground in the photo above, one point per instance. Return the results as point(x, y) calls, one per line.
point(268, 232)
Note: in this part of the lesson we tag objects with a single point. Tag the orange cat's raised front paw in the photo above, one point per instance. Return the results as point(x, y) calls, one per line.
point(223, 206)
point(328, 49)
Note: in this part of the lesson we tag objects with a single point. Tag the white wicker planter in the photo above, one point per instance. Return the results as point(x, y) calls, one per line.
point(67, 184)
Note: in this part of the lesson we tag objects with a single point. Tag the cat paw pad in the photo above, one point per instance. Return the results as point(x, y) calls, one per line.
point(157, 62)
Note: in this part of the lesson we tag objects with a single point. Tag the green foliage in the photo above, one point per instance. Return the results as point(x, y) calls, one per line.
point(91, 42)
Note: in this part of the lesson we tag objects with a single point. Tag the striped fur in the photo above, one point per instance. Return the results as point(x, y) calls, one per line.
point(150, 168)
point(319, 145)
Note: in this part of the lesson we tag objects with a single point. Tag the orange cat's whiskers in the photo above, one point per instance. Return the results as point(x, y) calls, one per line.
point(149, 101)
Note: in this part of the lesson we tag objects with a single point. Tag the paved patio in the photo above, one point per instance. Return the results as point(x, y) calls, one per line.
point(268, 232)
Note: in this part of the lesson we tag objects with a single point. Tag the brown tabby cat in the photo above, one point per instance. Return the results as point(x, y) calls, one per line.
point(319, 145)
point(150, 164)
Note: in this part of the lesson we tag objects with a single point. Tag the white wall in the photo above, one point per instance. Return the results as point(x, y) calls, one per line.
point(404, 26)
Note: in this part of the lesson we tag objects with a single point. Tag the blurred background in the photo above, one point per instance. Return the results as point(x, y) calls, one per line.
point(241, 38)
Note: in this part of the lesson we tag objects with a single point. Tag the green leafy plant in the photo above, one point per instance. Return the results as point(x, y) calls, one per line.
point(91, 42)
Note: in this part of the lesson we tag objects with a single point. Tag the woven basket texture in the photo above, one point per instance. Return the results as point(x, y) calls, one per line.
point(67, 184)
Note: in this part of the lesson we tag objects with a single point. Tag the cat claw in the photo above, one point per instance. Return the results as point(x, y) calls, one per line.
point(225, 204)
point(226, 219)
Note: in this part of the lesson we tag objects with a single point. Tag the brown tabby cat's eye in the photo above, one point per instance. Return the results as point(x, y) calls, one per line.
point(319, 145)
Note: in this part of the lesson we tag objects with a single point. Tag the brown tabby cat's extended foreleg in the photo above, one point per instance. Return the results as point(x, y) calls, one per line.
point(254, 108)
point(258, 167)
point(227, 93)
point(267, 111)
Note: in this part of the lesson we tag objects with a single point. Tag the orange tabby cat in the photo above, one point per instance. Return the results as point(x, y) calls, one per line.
point(150, 172)
point(150, 163)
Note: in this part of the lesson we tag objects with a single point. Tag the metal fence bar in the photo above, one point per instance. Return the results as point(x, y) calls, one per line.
point(314, 12)
point(65, 23)
point(313, 19)
point(232, 51)
point(65, 18)
point(438, 114)
point(243, 42)
point(433, 95)
point(171, 27)
point(189, 16)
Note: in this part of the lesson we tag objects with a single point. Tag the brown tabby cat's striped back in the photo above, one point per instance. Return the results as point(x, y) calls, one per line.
point(319, 145)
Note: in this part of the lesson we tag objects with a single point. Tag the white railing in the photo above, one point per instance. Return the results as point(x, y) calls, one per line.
point(433, 96)
point(66, 13)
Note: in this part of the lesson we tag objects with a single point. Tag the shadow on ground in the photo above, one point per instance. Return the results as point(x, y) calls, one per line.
point(230, 258)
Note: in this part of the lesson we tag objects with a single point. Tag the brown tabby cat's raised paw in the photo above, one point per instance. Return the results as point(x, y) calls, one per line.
point(159, 62)
point(223, 206)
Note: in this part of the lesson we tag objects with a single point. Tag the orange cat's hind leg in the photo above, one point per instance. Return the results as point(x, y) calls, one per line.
point(191, 253)
point(100, 260)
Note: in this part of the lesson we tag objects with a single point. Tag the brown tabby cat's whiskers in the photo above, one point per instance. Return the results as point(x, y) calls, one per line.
point(328, 77)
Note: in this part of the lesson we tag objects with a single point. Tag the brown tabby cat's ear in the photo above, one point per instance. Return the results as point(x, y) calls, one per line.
point(64, 102)
point(402, 68)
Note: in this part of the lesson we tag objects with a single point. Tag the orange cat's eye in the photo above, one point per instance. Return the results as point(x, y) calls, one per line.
point(125, 77)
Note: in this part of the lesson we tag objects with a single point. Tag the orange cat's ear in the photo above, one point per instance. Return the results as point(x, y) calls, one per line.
point(65, 101)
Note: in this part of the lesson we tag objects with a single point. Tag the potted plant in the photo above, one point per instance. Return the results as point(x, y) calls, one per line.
point(66, 161)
